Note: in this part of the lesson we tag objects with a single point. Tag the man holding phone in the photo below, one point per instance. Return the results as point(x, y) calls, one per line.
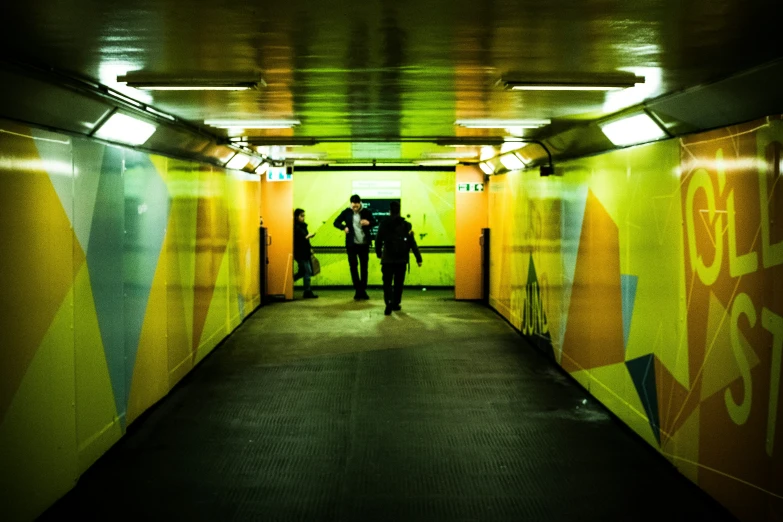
point(357, 222)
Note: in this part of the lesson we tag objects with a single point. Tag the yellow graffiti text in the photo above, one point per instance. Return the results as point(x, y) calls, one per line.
point(773, 323)
point(533, 318)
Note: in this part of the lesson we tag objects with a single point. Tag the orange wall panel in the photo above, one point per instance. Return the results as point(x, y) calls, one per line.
point(471, 217)
point(277, 200)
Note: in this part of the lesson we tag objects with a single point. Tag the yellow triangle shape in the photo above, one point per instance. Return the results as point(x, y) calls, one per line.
point(671, 352)
point(181, 237)
point(38, 434)
point(216, 323)
point(97, 423)
point(150, 380)
point(613, 386)
point(181, 260)
point(234, 313)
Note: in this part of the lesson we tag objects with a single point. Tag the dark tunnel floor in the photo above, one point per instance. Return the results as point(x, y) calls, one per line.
point(327, 410)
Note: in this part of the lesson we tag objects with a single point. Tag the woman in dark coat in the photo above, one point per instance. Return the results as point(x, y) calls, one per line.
point(302, 252)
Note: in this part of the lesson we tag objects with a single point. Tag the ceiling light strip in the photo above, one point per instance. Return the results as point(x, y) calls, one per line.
point(501, 123)
point(612, 82)
point(537, 87)
point(156, 83)
point(252, 124)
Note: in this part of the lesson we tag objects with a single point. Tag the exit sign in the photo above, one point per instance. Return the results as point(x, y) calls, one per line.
point(470, 187)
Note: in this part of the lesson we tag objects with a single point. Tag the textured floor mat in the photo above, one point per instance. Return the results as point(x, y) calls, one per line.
point(327, 410)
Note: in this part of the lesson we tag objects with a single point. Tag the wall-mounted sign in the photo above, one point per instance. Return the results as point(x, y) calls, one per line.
point(470, 187)
point(279, 173)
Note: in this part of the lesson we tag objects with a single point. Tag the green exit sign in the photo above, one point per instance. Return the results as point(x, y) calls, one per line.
point(470, 187)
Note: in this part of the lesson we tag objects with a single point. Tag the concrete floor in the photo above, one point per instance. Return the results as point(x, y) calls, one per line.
point(327, 410)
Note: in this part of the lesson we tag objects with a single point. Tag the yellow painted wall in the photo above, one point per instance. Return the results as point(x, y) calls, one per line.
point(120, 270)
point(651, 274)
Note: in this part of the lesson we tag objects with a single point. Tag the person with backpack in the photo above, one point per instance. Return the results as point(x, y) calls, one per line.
point(393, 244)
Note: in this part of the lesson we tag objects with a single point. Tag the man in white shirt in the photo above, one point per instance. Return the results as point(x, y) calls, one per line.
point(357, 222)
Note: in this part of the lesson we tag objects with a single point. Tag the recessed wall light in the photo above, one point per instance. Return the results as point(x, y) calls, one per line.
point(487, 152)
point(125, 129)
point(512, 161)
point(239, 161)
point(486, 168)
point(632, 130)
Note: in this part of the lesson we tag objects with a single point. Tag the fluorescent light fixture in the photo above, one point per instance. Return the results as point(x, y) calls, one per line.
point(124, 129)
point(239, 161)
point(305, 155)
point(126, 99)
point(602, 82)
point(508, 146)
point(487, 152)
point(162, 83)
point(486, 168)
point(159, 113)
point(565, 87)
point(311, 163)
point(252, 124)
point(437, 163)
point(194, 87)
point(255, 161)
point(512, 161)
point(501, 124)
point(451, 155)
point(632, 130)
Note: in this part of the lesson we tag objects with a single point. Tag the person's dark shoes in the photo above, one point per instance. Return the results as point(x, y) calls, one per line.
point(364, 296)
point(357, 297)
point(309, 295)
point(387, 310)
point(396, 307)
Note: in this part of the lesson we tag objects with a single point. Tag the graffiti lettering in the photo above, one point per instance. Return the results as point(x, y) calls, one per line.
point(746, 263)
point(773, 323)
point(707, 274)
point(533, 319)
point(739, 264)
point(772, 253)
point(739, 412)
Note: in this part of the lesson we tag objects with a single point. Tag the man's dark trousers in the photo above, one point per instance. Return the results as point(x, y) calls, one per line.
point(393, 281)
point(358, 255)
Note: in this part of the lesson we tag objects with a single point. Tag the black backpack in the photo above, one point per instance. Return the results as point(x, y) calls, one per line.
point(397, 244)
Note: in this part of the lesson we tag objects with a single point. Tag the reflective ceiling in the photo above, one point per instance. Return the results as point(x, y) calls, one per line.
point(384, 79)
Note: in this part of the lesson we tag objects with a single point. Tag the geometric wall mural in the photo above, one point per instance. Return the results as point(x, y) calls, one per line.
point(642, 371)
point(667, 258)
point(628, 285)
point(102, 278)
